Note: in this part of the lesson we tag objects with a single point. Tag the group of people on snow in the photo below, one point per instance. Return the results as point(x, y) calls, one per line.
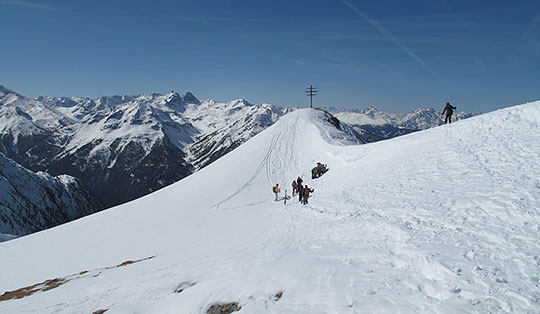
point(303, 191)
point(318, 171)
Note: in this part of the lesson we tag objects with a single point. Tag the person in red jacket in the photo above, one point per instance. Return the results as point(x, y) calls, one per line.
point(307, 190)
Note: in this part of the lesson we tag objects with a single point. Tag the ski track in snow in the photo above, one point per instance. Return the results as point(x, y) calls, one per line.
point(442, 221)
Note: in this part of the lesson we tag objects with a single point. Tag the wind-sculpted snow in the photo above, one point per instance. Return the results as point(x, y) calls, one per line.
point(445, 220)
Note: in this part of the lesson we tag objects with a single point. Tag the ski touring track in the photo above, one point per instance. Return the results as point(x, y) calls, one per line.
point(443, 248)
point(420, 227)
point(265, 164)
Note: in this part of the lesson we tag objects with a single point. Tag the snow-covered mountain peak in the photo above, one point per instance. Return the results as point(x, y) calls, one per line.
point(224, 126)
point(16, 123)
point(313, 121)
point(8, 96)
point(240, 103)
point(371, 116)
point(370, 110)
point(173, 96)
point(66, 102)
point(4, 91)
point(13, 111)
point(189, 98)
point(112, 101)
point(422, 118)
point(174, 101)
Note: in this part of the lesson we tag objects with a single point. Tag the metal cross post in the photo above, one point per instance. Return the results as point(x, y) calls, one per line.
point(311, 91)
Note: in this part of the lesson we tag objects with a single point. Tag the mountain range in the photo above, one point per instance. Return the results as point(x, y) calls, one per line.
point(124, 147)
point(375, 125)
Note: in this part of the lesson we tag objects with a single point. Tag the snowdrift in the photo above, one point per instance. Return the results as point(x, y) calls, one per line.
point(445, 220)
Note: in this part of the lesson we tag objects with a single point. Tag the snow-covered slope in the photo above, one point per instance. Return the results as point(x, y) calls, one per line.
point(123, 147)
point(30, 202)
point(420, 119)
point(445, 220)
point(225, 126)
point(374, 125)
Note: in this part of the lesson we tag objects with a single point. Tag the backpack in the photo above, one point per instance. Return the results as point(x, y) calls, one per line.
point(275, 189)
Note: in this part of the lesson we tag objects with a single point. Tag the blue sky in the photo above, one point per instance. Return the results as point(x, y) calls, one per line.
point(395, 55)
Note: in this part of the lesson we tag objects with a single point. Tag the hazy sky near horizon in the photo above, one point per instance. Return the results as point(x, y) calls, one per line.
point(394, 55)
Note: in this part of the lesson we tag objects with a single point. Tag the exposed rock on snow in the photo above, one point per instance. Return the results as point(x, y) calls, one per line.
point(225, 308)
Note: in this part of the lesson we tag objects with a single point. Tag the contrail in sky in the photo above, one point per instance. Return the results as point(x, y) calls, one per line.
point(25, 4)
point(384, 31)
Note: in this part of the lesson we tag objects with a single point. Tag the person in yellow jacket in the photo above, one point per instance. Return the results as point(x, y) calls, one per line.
point(276, 191)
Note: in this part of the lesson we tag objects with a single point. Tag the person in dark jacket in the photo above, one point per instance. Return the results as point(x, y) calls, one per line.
point(294, 187)
point(300, 193)
point(449, 109)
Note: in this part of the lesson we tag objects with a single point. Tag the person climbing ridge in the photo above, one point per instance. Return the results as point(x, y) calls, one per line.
point(449, 109)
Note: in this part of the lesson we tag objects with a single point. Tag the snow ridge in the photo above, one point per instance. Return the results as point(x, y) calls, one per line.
point(448, 217)
point(374, 125)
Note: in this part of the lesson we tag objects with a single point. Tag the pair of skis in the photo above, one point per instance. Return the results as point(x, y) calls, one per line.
point(285, 198)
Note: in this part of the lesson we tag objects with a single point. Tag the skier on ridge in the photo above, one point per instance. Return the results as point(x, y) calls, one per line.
point(449, 109)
